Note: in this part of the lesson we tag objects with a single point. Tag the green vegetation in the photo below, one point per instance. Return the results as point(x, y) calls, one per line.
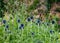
point(23, 27)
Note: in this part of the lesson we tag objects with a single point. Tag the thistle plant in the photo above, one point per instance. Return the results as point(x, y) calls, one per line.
point(25, 28)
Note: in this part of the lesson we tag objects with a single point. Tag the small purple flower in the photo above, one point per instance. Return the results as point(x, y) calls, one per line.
point(4, 21)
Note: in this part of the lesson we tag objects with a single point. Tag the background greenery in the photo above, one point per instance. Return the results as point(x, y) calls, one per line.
point(35, 30)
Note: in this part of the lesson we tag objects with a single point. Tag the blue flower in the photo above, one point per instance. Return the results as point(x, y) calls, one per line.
point(53, 22)
point(38, 21)
point(7, 26)
point(31, 17)
point(21, 26)
point(4, 21)
point(28, 19)
point(51, 31)
point(47, 23)
point(18, 20)
point(32, 33)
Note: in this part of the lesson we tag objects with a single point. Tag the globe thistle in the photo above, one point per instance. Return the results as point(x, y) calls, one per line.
point(6, 27)
point(32, 33)
point(18, 20)
point(4, 21)
point(38, 21)
point(21, 26)
point(31, 17)
point(51, 31)
point(28, 19)
point(53, 22)
point(47, 23)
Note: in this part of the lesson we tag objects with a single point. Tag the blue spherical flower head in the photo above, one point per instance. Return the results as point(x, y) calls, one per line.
point(21, 26)
point(4, 21)
point(53, 22)
point(7, 26)
point(47, 23)
point(51, 31)
point(18, 20)
point(38, 21)
point(28, 19)
point(31, 17)
point(32, 33)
